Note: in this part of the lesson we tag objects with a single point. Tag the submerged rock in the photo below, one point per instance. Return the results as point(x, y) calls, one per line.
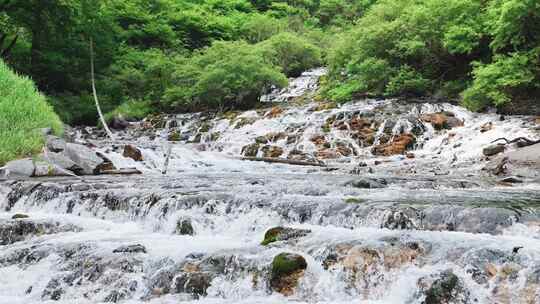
point(367, 183)
point(287, 270)
point(184, 227)
point(21, 227)
point(446, 288)
point(195, 283)
point(277, 234)
point(137, 248)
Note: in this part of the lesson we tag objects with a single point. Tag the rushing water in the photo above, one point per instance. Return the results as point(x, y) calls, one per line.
point(386, 243)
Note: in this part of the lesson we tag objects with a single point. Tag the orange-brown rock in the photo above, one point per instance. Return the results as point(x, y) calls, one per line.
point(442, 120)
point(318, 140)
point(398, 145)
point(327, 154)
point(272, 151)
point(274, 112)
point(486, 127)
point(132, 152)
point(410, 155)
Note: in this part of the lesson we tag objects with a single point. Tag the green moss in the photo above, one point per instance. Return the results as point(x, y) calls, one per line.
point(19, 216)
point(271, 235)
point(286, 264)
point(354, 200)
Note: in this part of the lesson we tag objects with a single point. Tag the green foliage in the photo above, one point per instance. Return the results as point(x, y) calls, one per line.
point(226, 75)
point(292, 53)
point(131, 110)
point(410, 47)
point(493, 83)
point(23, 112)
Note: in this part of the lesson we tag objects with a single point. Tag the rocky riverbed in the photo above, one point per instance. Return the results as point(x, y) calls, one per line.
point(396, 202)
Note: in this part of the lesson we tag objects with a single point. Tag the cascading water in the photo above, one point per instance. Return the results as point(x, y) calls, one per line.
point(372, 226)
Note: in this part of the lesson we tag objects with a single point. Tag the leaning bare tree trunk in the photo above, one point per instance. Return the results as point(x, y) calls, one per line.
point(103, 122)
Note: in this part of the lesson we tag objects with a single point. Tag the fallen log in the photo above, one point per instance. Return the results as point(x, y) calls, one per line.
point(521, 141)
point(123, 171)
point(285, 161)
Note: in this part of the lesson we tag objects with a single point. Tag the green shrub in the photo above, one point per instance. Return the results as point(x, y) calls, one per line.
point(292, 53)
point(493, 83)
point(225, 75)
point(23, 112)
point(131, 110)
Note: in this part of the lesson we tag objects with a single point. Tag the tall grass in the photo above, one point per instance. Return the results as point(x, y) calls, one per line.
point(23, 112)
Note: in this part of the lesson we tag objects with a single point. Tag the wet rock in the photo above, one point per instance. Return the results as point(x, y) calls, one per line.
point(272, 151)
point(526, 156)
point(53, 290)
point(250, 150)
point(56, 144)
point(277, 234)
point(195, 283)
point(301, 156)
point(184, 227)
point(327, 154)
point(21, 227)
point(367, 183)
point(398, 145)
point(493, 149)
point(399, 220)
point(115, 296)
point(174, 136)
point(511, 180)
point(137, 248)
point(287, 270)
point(19, 216)
point(244, 121)
point(447, 288)
point(132, 152)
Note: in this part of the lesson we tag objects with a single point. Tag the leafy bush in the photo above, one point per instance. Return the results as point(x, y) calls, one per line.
point(292, 53)
point(226, 75)
point(131, 110)
point(23, 112)
point(438, 47)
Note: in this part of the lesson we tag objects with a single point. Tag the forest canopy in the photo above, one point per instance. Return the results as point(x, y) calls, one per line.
point(182, 55)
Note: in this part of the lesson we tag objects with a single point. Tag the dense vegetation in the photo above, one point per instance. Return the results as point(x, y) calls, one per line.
point(183, 55)
point(23, 113)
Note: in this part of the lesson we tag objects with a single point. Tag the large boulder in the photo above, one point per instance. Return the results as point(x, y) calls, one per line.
point(287, 270)
point(84, 157)
point(55, 144)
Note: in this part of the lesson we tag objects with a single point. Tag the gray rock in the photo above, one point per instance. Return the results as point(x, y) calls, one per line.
point(195, 283)
point(20, 168)
point(56, 144)
point(525, 156)
point(493, 150)
point(84, 157)
point(19, 229)
point(63, 161)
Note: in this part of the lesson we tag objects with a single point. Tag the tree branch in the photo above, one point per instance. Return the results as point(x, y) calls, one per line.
point(103, 122)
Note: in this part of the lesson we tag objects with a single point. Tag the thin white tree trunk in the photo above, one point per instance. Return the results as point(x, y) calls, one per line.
point(103, 122)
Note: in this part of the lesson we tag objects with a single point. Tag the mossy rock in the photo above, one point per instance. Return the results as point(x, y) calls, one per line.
point(287, 263)
point(174, 136)
point(244, 121)
point(444, 290)
point(354, 200)
point(19, 216)
point(283, 234)
point(215, 136)
point(184, 227)
point(205, 127)
point(251, 150)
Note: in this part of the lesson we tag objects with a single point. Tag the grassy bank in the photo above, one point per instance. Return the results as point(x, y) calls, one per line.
point(23, 112)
